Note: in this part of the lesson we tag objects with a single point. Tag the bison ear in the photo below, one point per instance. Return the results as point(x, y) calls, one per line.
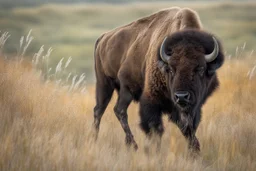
point(216, 64)
point(217, 61)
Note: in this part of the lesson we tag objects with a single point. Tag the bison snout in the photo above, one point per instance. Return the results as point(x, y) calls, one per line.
point(182, 98)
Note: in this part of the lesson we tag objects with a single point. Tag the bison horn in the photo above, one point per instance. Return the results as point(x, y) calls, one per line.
point(212, 56)
point(163, 55)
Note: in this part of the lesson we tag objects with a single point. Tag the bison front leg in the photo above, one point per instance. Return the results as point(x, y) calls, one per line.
point(151, 122)
point(124, 100)
point(188, 127)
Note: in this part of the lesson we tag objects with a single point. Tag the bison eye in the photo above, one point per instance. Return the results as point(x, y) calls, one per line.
point(200, 71)
point(171, 70)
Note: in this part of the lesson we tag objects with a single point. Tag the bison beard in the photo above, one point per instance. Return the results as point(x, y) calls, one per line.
point(163, 61)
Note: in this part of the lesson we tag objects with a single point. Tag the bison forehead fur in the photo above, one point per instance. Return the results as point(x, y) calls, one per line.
point(129, 59)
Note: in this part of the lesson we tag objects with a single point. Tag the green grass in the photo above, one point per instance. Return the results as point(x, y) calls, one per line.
point(71, 30)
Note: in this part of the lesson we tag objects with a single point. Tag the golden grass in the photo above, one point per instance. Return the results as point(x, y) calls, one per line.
point(42, 127)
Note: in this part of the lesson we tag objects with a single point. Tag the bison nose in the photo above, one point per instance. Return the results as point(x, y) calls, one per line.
point(182, 97)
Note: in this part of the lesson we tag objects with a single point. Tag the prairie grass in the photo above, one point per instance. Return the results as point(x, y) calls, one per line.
point(45, 126)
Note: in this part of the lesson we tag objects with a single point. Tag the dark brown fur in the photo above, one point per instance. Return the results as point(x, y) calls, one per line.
point(127, 59)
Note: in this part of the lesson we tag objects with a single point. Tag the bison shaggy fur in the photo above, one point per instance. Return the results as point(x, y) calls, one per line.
point(130, 60)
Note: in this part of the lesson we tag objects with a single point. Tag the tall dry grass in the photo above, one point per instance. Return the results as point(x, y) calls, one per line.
point(43, 126)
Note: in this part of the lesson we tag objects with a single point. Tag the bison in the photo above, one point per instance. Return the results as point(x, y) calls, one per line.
point(164, 61)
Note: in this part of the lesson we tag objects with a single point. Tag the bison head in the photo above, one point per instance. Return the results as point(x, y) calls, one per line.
point(189, 60)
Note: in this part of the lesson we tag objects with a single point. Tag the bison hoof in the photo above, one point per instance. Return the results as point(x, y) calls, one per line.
point(131, 142)
point(135, 146)
point(194, 148)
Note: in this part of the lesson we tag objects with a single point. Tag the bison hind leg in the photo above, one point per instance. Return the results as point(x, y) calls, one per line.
point(104, 92)
point(120, 109)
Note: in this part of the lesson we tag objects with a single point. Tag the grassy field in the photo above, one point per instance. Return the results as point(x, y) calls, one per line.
point(71, 30)
point(46, 120)
point(45, 126)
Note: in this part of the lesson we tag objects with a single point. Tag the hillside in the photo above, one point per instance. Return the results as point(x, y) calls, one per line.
point(71, 30)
